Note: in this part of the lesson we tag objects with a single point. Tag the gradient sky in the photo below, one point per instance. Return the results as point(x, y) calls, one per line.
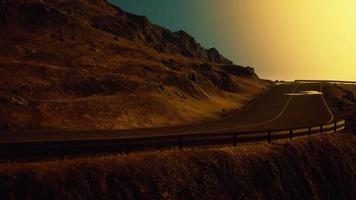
point(294, 39)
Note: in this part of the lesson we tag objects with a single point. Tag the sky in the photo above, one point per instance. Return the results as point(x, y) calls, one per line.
point(281, 39)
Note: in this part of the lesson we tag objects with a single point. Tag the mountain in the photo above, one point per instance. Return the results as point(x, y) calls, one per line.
point(105, 18)
point(86, 64)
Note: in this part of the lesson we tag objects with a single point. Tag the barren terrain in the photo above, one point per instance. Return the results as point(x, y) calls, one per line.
point(84, 65)
point(87, 65)
point(342, 101)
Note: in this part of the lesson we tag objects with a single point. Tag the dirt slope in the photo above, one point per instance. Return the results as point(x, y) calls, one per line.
point(89, 65)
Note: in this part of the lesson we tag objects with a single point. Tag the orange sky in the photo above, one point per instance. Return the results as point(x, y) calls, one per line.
point(281, 39)
point(302, 39)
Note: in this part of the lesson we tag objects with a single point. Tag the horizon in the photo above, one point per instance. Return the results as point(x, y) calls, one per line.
point(306, 36)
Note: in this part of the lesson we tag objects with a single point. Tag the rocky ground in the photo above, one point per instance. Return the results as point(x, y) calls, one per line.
point(89, 65)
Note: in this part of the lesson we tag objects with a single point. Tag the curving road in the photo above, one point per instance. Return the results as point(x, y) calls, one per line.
point(284, 106)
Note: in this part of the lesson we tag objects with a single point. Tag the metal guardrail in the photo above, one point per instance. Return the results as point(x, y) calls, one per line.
point(39, 149)
point(327, 81)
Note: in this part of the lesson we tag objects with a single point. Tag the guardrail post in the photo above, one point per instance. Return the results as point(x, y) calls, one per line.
point(27, 149)
point(321, 129)
point(235, 140)
point(180, 142)
point(269, 137)
point(127, 146)
point(63, 151)
point(309, 131)
point(291, 134)
point(335, 126)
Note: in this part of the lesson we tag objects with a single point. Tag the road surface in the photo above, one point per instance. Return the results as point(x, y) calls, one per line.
point(284, 106)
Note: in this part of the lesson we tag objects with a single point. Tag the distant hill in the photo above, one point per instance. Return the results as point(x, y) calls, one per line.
point(86, 64)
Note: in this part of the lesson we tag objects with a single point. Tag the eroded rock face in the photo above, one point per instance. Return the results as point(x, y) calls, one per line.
point(37, 14)
point(215, 56)
point(239, 70)
point(220, 78)
point(135, 28)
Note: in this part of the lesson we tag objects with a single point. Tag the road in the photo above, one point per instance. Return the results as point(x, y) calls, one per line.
point(284, 106)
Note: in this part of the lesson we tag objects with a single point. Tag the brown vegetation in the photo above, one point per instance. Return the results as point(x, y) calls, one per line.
point(342, 101)
point(322, 167)
point(89, 65)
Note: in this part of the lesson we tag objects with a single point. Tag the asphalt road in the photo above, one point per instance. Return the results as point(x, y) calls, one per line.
point(276, 109)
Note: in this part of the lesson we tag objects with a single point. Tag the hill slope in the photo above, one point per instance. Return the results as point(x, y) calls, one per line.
point(342, 101)
point(89, 65)
point(319, 167)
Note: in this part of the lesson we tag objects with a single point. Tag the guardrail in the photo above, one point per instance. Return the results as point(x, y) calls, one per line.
point(52, 149)
point(327, 81)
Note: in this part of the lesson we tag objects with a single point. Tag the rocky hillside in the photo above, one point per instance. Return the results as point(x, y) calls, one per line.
point(86, 64)
point(103, 17)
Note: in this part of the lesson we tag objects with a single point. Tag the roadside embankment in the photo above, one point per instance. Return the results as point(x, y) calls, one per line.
point(322, 167)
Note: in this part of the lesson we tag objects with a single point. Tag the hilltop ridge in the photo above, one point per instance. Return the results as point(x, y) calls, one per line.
point(32, 15)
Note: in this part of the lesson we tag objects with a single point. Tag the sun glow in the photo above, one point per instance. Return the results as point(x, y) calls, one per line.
point(309, 39)
point(281, 39)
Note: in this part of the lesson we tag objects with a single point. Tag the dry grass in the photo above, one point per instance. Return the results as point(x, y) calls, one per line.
point(320, 168)
point(82, 77)
point(342, 101)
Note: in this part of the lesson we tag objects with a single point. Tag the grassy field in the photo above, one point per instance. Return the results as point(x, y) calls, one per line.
point(322, 167)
